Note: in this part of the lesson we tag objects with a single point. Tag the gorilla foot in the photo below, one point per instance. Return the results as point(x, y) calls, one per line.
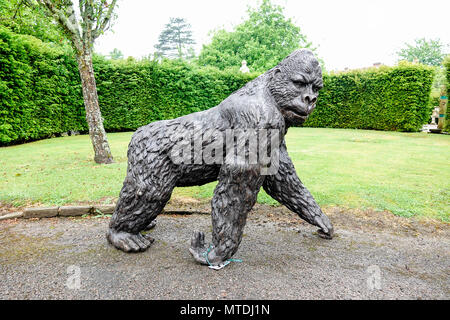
point(129, 242)
point(201, 252)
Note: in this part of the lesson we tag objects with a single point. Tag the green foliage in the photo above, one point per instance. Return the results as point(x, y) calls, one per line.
point(439, 78)
point(447, 72)
point(176, 41)
point(134, 93)
point(263, 41)
point(22, 19)
point(447, 69)
point(429, 52)
point(434, 98)
point(40, 92)
point(388, 98)
point(438, 82)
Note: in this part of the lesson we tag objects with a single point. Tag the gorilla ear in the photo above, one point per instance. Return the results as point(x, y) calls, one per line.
point(277, 72)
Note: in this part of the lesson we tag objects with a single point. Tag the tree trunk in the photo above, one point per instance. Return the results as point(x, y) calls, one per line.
point(93, 113)
point(442, 108)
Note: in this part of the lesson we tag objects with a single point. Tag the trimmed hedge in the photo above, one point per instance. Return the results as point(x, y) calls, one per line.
point(385, 98)
point(447, 72)
point(40, 90)
point(40, 93)
point(132, 94)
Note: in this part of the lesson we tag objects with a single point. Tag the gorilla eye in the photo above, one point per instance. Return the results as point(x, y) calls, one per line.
point(299, 83)
point(317, 87)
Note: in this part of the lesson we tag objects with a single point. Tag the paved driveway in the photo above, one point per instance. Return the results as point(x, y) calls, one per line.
point(372, 256)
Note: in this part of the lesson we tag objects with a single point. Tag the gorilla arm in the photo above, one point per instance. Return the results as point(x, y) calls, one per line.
point(234, 197)
point(286, 188)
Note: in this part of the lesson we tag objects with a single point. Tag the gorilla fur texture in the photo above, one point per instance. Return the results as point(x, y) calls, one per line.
point(282, 97)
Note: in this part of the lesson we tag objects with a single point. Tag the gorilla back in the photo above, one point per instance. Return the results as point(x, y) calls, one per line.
point(240, 143)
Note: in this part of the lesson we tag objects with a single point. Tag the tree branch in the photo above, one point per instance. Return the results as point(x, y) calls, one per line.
point(102, 24)
point(66, 20)
point(81, 5)
point(19, 5)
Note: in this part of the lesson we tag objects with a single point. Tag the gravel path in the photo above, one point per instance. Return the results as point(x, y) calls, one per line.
point(371, 257)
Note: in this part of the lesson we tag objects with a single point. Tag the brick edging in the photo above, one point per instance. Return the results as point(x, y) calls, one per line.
point(77, 211)
point(63, 211)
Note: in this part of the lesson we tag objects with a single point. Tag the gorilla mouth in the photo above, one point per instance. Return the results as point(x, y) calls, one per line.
point(298, 113)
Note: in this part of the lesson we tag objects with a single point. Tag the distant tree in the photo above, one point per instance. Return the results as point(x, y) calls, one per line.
point(93, 20)
point(116, 54)
point(439, 78)
point(428, 52)
point(176, 41)
point(263, 40)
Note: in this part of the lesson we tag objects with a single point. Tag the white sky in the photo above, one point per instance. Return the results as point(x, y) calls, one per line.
point(348, 33)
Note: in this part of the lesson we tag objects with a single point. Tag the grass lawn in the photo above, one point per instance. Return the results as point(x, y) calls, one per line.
point(405, 173)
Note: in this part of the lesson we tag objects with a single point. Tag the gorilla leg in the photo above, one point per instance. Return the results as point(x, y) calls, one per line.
point(234, 197)
point(286, 188)
point(140, 201)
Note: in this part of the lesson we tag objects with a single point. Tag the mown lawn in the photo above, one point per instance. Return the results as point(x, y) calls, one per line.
point(405, 173)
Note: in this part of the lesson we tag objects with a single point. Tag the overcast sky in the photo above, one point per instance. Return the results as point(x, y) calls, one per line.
point(348, 33)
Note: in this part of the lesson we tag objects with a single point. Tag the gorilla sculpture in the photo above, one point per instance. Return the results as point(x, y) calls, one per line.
point(282, 97)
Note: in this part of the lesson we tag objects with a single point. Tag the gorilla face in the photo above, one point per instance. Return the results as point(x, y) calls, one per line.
point(295, 85)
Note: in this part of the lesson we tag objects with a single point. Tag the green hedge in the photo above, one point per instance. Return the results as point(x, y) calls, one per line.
point(447, 72)
point(40, 91)
point(385, 98)
point(132, 94)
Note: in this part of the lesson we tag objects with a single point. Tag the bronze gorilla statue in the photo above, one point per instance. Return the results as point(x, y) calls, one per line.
point(282, 97)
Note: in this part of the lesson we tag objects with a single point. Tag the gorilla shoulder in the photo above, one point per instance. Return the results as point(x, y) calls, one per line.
point(251, 109)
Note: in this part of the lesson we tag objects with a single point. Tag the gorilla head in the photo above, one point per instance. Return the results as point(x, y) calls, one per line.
point(295, 84)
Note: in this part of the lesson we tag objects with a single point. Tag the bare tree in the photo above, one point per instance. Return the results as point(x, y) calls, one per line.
point(94, 19)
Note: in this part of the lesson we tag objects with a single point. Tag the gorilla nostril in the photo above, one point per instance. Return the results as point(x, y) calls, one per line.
point(309, 99)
